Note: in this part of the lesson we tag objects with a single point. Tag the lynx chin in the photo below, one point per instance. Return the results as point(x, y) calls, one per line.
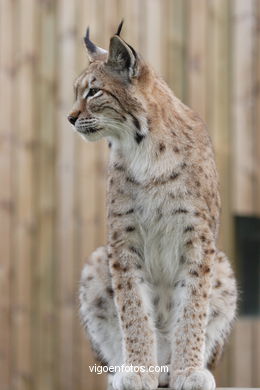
point(159, 292)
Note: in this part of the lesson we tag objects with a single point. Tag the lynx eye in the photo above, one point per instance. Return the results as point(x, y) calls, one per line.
point(92, 92)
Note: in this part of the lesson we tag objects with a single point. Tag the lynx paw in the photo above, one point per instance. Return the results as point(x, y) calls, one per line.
point(134, 381)
point(193, 379)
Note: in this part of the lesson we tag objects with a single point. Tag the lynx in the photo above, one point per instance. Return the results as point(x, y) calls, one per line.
point(159, 292)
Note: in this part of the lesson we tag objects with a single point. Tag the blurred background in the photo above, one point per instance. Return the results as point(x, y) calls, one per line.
point(52, 189)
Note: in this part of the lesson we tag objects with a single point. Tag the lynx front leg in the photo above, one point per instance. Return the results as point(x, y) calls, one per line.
point(139, 343)
point(193, 292)
point(125, 264)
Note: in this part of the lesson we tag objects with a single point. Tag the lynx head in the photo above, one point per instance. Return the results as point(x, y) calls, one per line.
point(111, 94)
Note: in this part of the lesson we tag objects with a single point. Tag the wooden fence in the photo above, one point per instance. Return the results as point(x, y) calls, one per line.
point(52, 191)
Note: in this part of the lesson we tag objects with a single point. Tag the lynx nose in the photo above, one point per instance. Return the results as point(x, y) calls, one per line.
point(72, 119)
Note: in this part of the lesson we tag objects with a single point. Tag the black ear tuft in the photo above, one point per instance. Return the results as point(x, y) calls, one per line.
point(89, 45)
point(119, 28)
point(94, 52)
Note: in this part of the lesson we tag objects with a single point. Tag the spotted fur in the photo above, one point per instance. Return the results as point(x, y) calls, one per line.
point(160, 291)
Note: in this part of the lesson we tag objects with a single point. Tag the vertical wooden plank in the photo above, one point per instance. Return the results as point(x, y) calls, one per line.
point(219, 123)
point(43, 267)
point(24, 223)
point(197, 55)
point(6, 195)
point(165, 25)
point(256, 72)
point(65, 226)
point(222, 373)
point(242, 354)
point(111, 18)
point(243, 141)
point(142, 22)
point(131, 30)
point(218, 111)
point(177, 47)
point(256, 353)
point(153, 34)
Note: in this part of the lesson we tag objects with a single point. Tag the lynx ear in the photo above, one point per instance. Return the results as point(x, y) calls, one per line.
point(94, 52)
point(121, 57)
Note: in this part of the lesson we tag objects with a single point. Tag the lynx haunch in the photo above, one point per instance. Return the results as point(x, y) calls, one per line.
point(159, 292)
